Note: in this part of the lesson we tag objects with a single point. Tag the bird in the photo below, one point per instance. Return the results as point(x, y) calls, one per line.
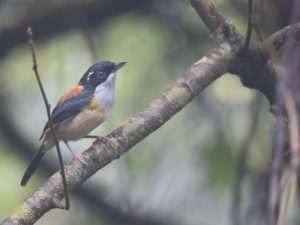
point(80, 110)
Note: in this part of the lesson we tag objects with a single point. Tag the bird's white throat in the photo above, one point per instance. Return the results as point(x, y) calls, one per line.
point(105, 93)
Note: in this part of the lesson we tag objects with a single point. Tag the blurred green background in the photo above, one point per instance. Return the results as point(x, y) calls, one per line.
point(185, 172)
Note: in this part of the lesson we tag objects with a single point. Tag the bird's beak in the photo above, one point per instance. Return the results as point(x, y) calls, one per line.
point(119, 65)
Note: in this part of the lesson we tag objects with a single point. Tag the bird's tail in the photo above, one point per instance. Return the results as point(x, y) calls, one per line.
point(33, 165)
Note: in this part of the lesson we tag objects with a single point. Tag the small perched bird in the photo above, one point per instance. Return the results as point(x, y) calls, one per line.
point(80, 110)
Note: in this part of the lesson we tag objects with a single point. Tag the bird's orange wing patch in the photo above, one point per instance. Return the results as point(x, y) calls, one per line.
point(73, 92)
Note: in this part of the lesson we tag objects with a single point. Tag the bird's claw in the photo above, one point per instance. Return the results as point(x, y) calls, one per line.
point(80, 158)
point(107, 141)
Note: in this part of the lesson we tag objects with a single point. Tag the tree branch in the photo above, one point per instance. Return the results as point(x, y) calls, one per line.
point(264, 78)
point(225, 58)
point(135, 129)
point(281, 37)
point(18, 145)
point(215, 21)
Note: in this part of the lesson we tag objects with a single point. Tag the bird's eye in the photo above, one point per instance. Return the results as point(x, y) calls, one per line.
point(100, 74)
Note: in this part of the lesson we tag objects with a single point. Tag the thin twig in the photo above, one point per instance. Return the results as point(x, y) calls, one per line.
point(276, 170)
point(291, 109)
point(257, 21)
point(293, 126)
point(242, 161)
point(288, 189)
point(249, 27)
point(277, 189)
point(48, 108)
point(89, 38)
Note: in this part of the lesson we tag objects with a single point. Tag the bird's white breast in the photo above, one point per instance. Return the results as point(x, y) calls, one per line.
point(105, 93)
point(81, 125)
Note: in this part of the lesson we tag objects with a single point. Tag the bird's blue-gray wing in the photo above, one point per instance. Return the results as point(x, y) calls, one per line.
point(69, 108)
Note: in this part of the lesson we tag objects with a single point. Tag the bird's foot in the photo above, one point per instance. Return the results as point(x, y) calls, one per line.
point(80, 158)
point(106, 140)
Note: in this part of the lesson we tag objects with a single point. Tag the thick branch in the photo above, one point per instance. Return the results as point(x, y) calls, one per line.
point(135, 129)
point(19, 146)
point(281, 37)
point(263, 78)
point(215, 21)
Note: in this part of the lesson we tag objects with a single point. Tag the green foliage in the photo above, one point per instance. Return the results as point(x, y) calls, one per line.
point(220, 161)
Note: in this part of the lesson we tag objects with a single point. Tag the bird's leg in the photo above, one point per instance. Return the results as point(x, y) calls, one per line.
point(69, 147)
point(103, 139)
point(76, 156)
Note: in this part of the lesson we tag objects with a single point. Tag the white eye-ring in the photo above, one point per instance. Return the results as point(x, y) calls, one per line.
point(89, 75)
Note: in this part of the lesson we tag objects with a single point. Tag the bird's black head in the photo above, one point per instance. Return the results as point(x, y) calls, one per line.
point(99, 72)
